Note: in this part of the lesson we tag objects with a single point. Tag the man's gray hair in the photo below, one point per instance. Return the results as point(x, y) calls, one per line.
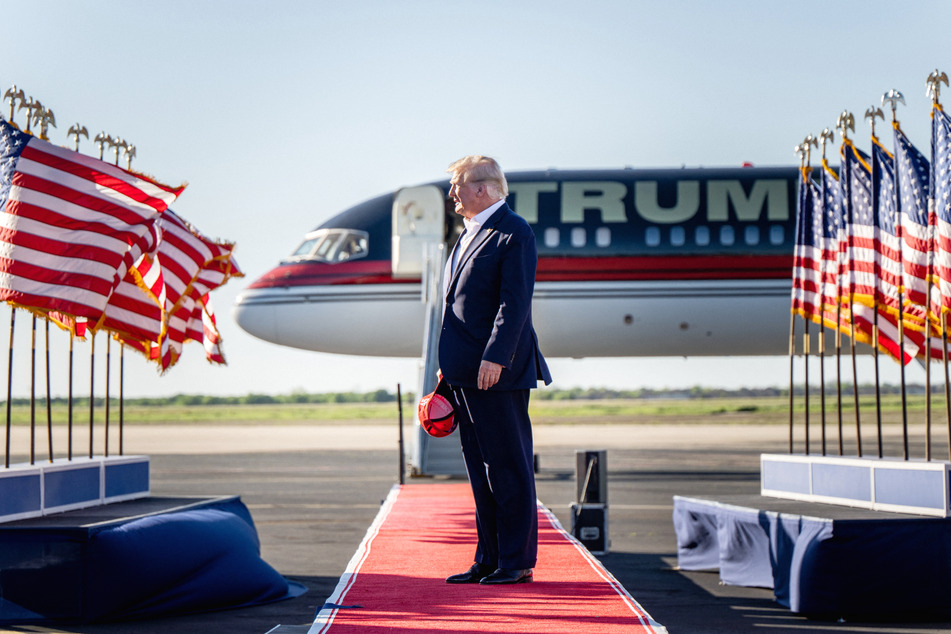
point(482, 169)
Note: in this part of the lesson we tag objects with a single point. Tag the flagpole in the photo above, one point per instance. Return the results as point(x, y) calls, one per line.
point(893, 97)
point(13, 314)
point(92, 384)
point(912, 192)
point(792, 354)
point(934, 81)
point(901, 363)
point(69, 398)
point(928, 376)
point(846, 122)
point(841, 123)
point(49, 407)
point(878, 384)
point(116, 144)
point(800, 151)
point(822, 386)
point(824, 136)
point(947, 378)
point(108, 364)
point(871, 113)
point(33, 395)
point(121, 395)
point(807, 142)
point(805, 356)
point(855, 385)
point(838, 374)
point(855, 374)
point(928, 333)
point(934, 88)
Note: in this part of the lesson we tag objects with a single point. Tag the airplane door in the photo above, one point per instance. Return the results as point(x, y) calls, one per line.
point(419, 217)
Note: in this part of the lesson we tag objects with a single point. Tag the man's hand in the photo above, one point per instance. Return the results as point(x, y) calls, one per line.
point(489, 374)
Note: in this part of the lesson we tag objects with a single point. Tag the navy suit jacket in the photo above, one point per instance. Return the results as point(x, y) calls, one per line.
point(488, 313)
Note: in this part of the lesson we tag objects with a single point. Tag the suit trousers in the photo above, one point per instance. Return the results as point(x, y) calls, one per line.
point(496, 436)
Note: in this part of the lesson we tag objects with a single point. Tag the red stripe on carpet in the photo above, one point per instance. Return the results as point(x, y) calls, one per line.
point(426, 532)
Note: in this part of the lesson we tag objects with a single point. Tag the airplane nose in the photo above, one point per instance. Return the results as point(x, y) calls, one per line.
point(255, 318)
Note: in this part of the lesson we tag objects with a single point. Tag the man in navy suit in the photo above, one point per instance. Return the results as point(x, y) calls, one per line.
point(489, 354)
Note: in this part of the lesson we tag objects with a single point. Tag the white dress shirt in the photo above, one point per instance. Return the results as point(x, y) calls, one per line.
point(473, 226)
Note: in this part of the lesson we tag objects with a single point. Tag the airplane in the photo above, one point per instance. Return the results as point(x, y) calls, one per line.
point(631, 262)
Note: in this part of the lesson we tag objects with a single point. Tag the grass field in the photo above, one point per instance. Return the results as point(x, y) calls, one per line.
point(733, 410)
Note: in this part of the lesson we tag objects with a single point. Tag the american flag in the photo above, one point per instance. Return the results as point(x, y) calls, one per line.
point(863, 261)
point(865, 318)
point(862, 228)
point(133, 312)
point(941, 218)
point(70, 225)
point(191, 316)
point(184, 255)
point(889, 236)
point(874, 262)
point(798, 273)
point(808, 258)
point(177, 278)
point(206, 263)
point(936, 349)
point(830, 217)
point(211, 339)
point(815, 287)
point(941, 138)
point(67, 322)
point(194, 320)
point(913, 171)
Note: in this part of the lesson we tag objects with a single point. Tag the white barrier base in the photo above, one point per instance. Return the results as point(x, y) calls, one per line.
point(884, 484)
point(64, 485)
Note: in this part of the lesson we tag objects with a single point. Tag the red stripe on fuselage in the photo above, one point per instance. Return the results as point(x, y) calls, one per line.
point(665, 268)
point(552, 269)
point(320, 274)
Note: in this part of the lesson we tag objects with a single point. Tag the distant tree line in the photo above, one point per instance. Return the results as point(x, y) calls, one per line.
point(386, 396)
point(697, 392)
point(377, 396)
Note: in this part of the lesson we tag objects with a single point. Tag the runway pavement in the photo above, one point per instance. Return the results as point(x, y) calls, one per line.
point(314, 489)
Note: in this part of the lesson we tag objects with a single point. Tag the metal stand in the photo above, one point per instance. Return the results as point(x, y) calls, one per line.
point(589, 517)
point(434, 456)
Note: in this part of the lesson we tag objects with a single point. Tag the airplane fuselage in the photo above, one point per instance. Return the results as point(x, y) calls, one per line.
point(631, 263)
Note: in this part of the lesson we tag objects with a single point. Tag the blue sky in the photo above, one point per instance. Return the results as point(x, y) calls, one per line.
point(281, 114)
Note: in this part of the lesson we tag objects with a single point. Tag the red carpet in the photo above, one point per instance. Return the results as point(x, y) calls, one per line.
point(425, 532)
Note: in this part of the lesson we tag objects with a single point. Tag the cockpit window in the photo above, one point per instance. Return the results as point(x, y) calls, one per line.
point(305, 249)
point(332, 246)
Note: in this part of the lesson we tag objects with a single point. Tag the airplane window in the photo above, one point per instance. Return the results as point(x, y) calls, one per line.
point(578, 237)
point(677, 236)
point(726, 235)
point(776, 234)
point(305, 248)
point(325, 247)
point(652, 236)
point(602, 237)
point(702, 236)
point(332, 245)
point(751, 235)
point(552, 237)
point(353, 246)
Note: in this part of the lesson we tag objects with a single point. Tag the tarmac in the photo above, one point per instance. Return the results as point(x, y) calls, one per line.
point(314, 489)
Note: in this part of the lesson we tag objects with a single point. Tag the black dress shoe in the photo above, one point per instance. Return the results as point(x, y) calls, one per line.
point(475, 574)
point(508, 575)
